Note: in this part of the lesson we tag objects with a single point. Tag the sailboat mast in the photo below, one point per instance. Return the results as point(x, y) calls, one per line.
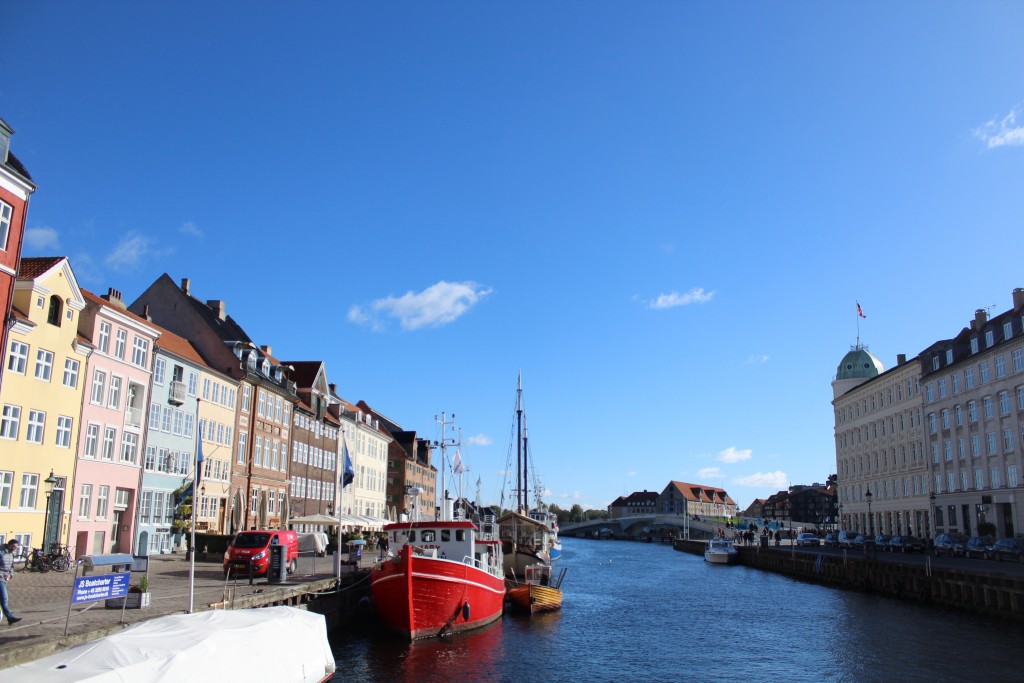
point(520, 480)
point(526, 467)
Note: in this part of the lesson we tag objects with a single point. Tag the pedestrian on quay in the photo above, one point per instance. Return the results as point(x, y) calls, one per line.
point(6, 574)
point(383, 545)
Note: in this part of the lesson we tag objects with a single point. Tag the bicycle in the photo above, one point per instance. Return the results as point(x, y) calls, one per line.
point(60, 557)
point(37, 560)
point(21, 559)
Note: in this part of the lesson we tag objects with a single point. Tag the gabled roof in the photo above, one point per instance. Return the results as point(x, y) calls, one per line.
point(33, 266)
point(643, 498)
point(179, 346)
point(100, 301)
point(702, 494)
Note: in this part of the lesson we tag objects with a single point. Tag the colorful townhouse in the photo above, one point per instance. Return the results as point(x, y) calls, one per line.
point(313, 468)
point(41, 402)
point(367, 443)
point(171, 445)
point(218, 417)
point(266, 396)
point(15, 189)
point(108, 469)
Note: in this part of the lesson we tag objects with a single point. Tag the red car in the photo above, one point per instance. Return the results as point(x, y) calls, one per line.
point(254, 547)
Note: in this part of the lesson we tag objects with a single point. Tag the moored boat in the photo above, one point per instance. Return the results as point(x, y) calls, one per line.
point(214, 645)
point(539, 592)
point(720, 551)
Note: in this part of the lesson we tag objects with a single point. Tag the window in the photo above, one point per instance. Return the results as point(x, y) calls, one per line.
point(6, 211)
point(29, 489)
point(990, 439)
point(102, 502)
point(190, 421)
point(972, 411)
point(129, 447)
point(206, 388)
point(1011, 476)
point(935, 362)
point(932, 423)
point(246, 396)
point(945, 418)
point(258, 452)
point(975, 445)
point(979, 478)
point(942, 387)
point(178, 422)
point(120, 344)
point(109, 439)
point(70, 373)
point(6, 486)
point(54, 314)
point(990, 338)
point(159, 370)
point(44, 364)
point(261, 402)
point(958, 415)
point(949, 356)
point(929, 392)
point(92, 439)
point(1007, 440)
point(63, 431)
point(115, 392)
point(99, 382)
point(1007, 329)
point(961, 447)
point(140, 352)
point(17, 360)
point(1020, 398)
point(85, 501)
point(1001, 366)
point(242, 437)
point(969, 378)
point(954, 381)
point(1018, 360)
point(165, 422)
point(36, 425)
point(104, 340)
point(988, 407)
point(983, 371)
point(154, 416)
point(277, 409)
point(193, 380)
point(1004, 402)
point(10, 422)
point(146, 508)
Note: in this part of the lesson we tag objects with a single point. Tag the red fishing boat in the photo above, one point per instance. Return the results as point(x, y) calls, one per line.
point(447, 575)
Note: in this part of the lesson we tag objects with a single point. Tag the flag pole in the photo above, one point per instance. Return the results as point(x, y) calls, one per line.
point(197, 460)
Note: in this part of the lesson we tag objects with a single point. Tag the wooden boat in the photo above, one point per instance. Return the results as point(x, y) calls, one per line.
point(283, 644)
point(538, 592)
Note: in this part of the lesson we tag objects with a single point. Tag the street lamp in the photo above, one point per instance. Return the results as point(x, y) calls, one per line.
point(931, 516)
point(839, 522)
point(871, 522)
point(50, 481)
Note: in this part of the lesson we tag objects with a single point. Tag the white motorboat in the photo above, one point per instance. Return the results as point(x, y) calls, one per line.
point(720, 551)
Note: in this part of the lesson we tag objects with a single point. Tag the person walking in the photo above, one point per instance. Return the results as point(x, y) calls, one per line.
point(6, 574)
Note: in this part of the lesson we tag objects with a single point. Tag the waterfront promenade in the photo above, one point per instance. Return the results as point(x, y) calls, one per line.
point(42, 600)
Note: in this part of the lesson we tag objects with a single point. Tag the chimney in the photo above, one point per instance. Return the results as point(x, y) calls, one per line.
point(334, 389)
point(114, 297)
point(145, 313)
point(186, 286)
point(980, 318)
point(901, 358)
point(267, 350)
point(217, 306)
point(1018, 299)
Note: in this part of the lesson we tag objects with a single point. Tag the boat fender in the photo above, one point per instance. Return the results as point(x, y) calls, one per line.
point(465, 611)
point(364, 606)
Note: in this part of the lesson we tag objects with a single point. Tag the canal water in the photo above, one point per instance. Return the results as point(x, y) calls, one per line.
point(645, 612)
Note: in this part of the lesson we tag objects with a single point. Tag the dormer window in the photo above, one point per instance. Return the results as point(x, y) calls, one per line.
point(949, 356)
point(251, 362)
point(935, 362)
point(990, 339)
point(974, 344)
point(265, 367)
point(1007, 329)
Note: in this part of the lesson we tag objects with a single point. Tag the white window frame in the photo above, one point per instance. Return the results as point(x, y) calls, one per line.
point(64, 427)
point(120, 343)
point(44, 365)
point(70, 379)
point(10, 421)
point(36, 426)
point(103, 344)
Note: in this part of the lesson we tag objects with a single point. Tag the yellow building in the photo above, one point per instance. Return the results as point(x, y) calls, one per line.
point(41, 402)
point(216, 420)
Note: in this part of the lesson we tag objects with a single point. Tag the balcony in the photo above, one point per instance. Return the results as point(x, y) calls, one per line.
point(134, 417)
point(176, 396)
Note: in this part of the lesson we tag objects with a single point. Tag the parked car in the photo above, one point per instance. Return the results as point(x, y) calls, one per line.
point(253, 547)
point(977, 547)
point(858, 542)
point(906, 544)
point(950, 544)
point(1007, 549)
point(881, 541)
point(807, 538)
point(830, 541)
point(846, 538)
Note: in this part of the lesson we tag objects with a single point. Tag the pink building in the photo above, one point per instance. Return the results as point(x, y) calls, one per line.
point(114, 408)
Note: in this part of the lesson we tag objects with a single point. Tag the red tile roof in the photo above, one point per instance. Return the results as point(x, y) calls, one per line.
point(34, 266)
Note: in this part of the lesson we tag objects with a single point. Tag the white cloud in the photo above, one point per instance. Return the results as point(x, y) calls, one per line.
point(38, 239)
point(631, 473)
point(710, 473)
point(757, 359)
point(1002, 133)
point(131, 251)
point(732, 455)
point(776, 480)
point(190, 228)
point(697, 295)
point(437, 305)
point(479, 440)
point(575, 495)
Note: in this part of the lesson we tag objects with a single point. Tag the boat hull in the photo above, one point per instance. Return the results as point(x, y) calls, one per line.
point(719, 557)
point(535, 599)
point(422, 597)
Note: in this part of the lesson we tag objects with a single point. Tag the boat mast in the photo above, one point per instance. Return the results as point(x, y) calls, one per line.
point(445, 513)
point(520, 475)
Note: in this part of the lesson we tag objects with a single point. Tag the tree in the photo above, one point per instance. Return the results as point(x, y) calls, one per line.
point(576, 512)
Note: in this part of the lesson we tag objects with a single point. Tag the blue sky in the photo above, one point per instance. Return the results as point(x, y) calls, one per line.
point(663, 213)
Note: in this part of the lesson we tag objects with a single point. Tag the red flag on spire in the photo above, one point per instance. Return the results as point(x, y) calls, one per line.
point(859, 311)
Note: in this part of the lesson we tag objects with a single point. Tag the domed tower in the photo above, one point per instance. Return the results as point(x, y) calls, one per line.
point(857, 367)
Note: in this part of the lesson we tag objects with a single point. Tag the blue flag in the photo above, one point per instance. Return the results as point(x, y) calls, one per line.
point(349, 474)
point(199, 461)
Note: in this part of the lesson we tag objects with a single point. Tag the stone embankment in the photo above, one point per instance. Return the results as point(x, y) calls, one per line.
point(979, 587)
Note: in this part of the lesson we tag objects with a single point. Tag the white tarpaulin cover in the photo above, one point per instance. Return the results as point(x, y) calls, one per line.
point(279, 644)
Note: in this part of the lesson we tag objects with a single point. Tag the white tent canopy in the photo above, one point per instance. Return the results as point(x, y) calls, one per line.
point(324, 520)
point(364, 521)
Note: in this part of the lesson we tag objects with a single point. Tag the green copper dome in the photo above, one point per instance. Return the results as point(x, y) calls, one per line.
point(859, 363)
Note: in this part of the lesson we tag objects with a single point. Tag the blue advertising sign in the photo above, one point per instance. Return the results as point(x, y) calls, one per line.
point(100, 587)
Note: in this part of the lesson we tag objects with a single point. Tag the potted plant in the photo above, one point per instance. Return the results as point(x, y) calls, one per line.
point(138, 596)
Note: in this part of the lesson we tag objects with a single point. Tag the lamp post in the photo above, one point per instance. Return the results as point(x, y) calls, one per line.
point(871, 522)
point(931, 517)
point(839, 521)
point(50, 481)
